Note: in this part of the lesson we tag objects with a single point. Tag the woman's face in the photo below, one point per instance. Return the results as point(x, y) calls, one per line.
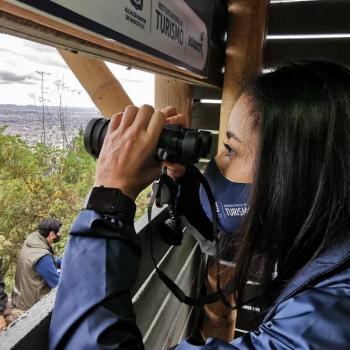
point(237, 159)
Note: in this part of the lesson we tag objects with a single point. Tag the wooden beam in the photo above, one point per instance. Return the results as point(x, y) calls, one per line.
point(309, 17)
point(246, 34)
point(335, 49)
point(219, 321)
point(99, 82)
point(171, 92)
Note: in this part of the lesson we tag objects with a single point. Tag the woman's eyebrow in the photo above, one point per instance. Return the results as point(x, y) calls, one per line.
point(230, 134)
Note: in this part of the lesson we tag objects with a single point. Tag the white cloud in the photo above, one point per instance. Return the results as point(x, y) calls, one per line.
point(19, 81)
point(13, 78)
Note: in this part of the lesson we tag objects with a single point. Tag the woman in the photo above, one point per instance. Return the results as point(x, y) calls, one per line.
point(294, 127)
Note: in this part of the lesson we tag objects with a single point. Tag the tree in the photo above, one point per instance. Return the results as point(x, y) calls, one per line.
point(61, 109)
point(42, 100)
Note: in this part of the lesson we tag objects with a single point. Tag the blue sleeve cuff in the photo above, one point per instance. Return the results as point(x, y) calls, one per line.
point(58, 261)
point(93, 224)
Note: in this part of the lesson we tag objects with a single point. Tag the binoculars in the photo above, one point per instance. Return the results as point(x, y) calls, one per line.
point(176, 144)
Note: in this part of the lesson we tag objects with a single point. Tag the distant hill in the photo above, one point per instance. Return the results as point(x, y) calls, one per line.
point(11, 109)
point(54, 129)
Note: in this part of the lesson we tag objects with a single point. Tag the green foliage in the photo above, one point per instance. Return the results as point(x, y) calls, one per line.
point(37, 182)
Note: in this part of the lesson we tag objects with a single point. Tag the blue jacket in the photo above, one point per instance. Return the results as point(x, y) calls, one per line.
point(93, 307)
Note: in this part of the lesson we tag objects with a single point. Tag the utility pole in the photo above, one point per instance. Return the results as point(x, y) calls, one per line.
point(42, 74)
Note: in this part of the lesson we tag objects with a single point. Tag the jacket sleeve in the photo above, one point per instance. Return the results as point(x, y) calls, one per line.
point(3, 295)
point(46, 269)
point(93, 308)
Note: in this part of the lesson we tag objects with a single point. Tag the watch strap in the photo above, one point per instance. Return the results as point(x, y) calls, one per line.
point(108, 200)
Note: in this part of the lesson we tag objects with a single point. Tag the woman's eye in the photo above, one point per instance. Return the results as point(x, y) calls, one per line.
point(229, 149)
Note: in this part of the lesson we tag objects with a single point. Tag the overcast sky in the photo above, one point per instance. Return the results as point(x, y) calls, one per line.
point(20, 83)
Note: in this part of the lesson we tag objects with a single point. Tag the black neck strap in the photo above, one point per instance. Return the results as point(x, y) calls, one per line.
point(220, 293)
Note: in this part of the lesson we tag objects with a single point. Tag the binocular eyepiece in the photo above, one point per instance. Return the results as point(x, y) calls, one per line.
point(176, 144)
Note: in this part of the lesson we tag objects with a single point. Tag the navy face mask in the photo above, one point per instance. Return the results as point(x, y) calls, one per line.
point(231, 198)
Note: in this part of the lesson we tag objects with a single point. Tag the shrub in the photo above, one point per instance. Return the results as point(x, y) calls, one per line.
point(37, 182)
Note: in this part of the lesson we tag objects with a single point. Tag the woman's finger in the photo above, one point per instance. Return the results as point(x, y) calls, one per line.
point(128, 118)
point(169, 111)
point(143, 117)
point(155, 126)
point(115, 122)
point(180, 119)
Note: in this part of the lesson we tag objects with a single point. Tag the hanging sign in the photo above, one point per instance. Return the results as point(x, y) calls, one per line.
point(168, 29)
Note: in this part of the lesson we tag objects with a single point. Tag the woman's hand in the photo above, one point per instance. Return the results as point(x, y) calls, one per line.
point(174, 170)
point(127, 158)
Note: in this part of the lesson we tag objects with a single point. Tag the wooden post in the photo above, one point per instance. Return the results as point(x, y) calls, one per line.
point(244, 52)
point(245, 40)
point(171, 92)
point(99, 82)
point(218, 320)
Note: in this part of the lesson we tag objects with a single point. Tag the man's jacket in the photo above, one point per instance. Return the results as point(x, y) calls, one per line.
point(29, 286)
point(93, 307)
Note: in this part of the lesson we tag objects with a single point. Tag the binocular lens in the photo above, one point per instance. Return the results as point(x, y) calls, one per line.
point(176, 144)
point(94, 135)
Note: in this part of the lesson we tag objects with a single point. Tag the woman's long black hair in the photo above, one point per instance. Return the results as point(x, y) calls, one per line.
point(300, 203)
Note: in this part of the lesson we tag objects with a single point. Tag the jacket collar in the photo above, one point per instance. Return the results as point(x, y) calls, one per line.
point(36, 240)
point(321, 265)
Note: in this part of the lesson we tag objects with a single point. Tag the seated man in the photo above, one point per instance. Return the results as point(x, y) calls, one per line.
point(36, 272)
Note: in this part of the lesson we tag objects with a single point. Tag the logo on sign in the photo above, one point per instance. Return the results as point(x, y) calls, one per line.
point(138, 4)
point(196, 45)
point(136, 17)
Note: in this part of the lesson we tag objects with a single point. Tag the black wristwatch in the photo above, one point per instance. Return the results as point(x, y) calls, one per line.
point(107, 200)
